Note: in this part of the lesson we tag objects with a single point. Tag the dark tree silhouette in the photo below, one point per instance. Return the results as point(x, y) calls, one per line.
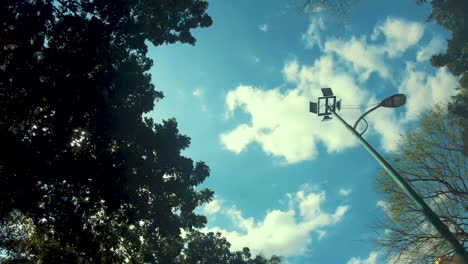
point(451, 14)
point(211, 248)
point(89, 178)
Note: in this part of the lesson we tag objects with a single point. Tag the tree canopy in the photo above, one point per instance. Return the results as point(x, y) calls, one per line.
point(430, 158)
point(451, 14)
point(84, 178)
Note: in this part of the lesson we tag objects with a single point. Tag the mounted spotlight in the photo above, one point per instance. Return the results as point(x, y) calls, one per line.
point(313, 107)
point(327, 91)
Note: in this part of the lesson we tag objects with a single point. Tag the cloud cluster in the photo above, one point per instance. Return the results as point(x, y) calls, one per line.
point(364, 57)
point(367, 56)
point(372, 259)
point(435, 46)
point(400, 35)
point(428, 89)
point(312, 37)
point(384, 206)
point(212, 207)
point(282, 232)
point(345, 192)
point(280, 122)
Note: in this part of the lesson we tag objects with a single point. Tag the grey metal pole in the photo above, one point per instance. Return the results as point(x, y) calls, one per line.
point(412, 194)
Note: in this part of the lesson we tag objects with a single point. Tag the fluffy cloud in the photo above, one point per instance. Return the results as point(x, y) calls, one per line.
point(313, 35)
point(197, 92)
point(367, 57)
point(364, 57)
point(387, 125)
point(426, 89)
point(436, 45)
point(212, 207)
point(344, 192)
point(384, 205)
point(372, 259)
point(280, 121)
point(399, 35)
point(422, 90)
point(282, 232)
point(291, 70)
point(321, 234)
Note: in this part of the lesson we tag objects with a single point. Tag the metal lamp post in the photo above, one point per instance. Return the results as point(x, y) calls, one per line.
point(393, 101)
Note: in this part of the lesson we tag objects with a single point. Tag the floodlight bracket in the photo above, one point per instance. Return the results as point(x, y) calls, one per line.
point(325, 102)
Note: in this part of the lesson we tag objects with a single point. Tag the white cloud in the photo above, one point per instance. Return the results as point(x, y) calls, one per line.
point(436, 45)
point(424, 90)
point(212, 207)
point(282, 232)
point(313, 35)
point(197, 92)
point(372, 259)
point(321, 234)
point(364, 57)
point(344, 192)
point(384, 205)
point(280, 121)
point(291, 71)
point(263, 27)
point(368, 57)
point(387, 125)
point(400, 35)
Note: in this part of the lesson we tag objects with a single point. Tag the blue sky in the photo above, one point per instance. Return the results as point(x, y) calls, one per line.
point(286, 183)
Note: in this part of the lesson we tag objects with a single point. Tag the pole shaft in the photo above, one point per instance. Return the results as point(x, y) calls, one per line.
point(443, 230)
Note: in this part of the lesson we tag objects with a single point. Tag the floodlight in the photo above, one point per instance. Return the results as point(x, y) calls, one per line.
point(327, 92)
point(313, 107)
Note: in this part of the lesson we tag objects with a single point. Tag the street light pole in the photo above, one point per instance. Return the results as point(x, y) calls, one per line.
point(413, 195)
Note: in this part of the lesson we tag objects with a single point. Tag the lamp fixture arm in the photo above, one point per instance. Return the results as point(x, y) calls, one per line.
point(363, 115)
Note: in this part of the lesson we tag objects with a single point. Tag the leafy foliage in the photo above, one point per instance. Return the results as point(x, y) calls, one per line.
point(91, 180)
point(212, 248)
point(430, 158)
point(451, 14)
point(336, 9)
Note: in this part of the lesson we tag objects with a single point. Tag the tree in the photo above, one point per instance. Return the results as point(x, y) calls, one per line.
point(451, 14)
point(211, 248)
point(90, 179)
point(430, 158)
point(337, 9)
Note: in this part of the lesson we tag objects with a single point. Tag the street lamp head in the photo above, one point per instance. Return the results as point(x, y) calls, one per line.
point(395, 100)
